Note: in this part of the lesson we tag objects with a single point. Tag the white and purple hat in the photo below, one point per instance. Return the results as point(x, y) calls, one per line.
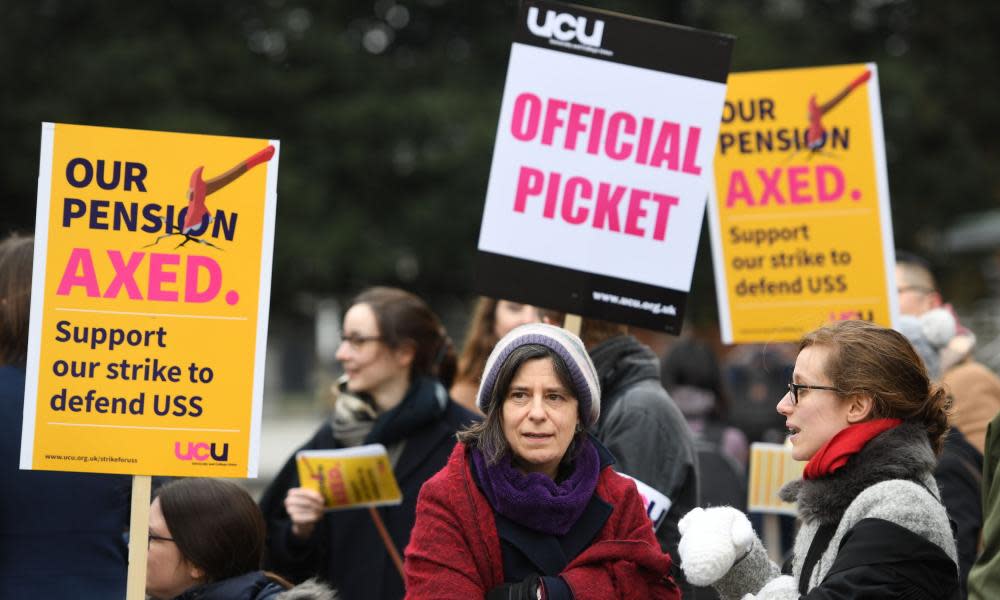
point(568, 346)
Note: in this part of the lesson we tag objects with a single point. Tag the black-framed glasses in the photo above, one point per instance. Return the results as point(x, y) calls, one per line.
point(793, 389)
point(357, 341)
point(913, 288)
point(149, 538)
point(160, 538)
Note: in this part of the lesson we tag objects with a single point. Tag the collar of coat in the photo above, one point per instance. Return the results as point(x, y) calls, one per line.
point(900, 453)
point(622, 361)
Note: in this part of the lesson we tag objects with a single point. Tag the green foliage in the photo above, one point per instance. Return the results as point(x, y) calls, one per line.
point(387, 110)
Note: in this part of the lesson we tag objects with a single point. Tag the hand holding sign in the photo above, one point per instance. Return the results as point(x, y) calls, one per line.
point(305, 509)
point(347, 478)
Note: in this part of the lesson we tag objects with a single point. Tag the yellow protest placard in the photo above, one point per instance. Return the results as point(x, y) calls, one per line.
point(149, 302)
point(350, 477)
point(799, 213)
point(771, 467)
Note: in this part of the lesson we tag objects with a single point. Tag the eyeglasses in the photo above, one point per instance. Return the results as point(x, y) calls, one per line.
point(913, 288)
point(149, 539)
point(159, 538)
point(793, 389)
point(357, 341)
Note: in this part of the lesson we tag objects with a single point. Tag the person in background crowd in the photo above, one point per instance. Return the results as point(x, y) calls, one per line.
point(398, 362)
point(984, 578)
point(975, 388)
point(865, 416)
point(491, 320)
point(61, 534)
point(528, 506)
point(755, 374)
point(206, 541)
point(642, 427)
point(959, 469)
point(690, 373)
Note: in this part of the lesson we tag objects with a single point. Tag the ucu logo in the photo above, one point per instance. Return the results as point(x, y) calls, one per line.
point(202, 451)
point(564, 27)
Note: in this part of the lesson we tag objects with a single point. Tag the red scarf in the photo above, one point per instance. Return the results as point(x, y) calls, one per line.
point(845, 444)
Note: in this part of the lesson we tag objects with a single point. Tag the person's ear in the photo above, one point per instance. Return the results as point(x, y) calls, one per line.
point(860, 408)
point(194, 572)
point(405, 353)
point(935, 300)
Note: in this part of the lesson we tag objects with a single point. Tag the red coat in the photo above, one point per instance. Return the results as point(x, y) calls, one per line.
point(454, 550)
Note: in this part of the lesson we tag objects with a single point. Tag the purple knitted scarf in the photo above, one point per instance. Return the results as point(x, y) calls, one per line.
point(535, 501)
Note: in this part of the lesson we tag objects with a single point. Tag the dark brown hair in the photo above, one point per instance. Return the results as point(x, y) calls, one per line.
point(16, 255)
point(487, 435)
point(404, 318)
point(216, 525)
point(878, 362)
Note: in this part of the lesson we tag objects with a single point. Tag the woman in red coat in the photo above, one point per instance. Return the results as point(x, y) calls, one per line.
point(528, 506)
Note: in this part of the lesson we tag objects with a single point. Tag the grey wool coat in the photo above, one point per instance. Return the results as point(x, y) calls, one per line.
point(892, 536)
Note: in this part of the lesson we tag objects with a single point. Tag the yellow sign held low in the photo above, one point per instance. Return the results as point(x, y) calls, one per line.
point(771, 467)
point(350, 477)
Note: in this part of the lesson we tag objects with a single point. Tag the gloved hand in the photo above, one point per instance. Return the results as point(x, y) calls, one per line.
point(712, 540)
point(529, 589)
point(779, 588)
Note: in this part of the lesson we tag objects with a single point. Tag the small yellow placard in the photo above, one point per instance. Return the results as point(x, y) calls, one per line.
point(350, 477)
point(771, 467)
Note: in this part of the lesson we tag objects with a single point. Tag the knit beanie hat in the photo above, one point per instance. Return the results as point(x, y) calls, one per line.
point(563, 343)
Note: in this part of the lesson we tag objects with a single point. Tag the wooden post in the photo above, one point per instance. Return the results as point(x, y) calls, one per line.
point(573, 323)
point(772, 537)
point(138, 538)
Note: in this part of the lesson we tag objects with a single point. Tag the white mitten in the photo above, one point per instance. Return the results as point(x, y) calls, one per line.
point(779, 588)
point(711, 541)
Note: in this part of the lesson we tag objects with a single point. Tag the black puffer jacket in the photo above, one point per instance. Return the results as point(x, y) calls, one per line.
point(345, 548)
point(251, 586)
point(257, 586)
point(646, 432)
point(889, 535)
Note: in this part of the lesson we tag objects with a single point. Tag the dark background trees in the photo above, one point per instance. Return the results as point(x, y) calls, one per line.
point(387, 110)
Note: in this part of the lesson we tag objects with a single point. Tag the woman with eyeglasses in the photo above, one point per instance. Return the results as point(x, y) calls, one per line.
point(398, 362)
point(862, 412)
point(206, 541)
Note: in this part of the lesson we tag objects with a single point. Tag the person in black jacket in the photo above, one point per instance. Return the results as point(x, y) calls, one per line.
point(61, 534)
point(643, 428)
point(397, 361)
point(206, 542)
point(868, 422)
point(959, 471)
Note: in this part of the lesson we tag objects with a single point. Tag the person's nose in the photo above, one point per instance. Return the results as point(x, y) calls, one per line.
point(785, 405)
point(536, 411)
point(343, 351)
point(530, 314)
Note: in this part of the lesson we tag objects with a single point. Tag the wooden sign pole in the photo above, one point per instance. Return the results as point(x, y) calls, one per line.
point(573, 323)
point(389, 545)
point(138, 538)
